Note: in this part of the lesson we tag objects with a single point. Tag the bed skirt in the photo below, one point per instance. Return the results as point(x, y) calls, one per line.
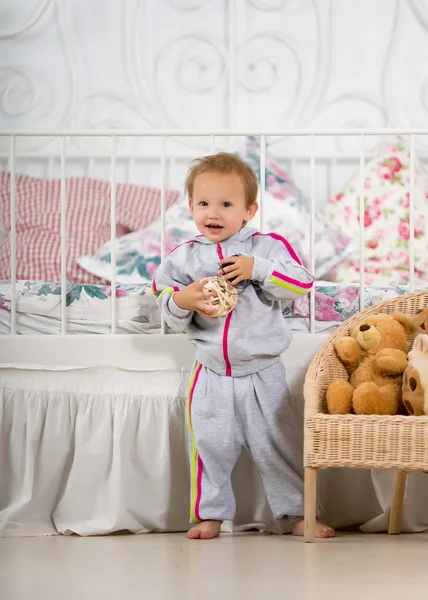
point(92, 451)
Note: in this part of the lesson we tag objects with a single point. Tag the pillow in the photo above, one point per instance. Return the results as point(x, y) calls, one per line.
point(286, 211)
point(38, 217)
point(386, 220)
point(138, 254)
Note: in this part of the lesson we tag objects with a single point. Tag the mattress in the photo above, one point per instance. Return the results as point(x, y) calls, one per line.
point(88, 307)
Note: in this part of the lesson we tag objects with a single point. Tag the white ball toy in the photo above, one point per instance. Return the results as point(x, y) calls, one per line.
point(226, 298)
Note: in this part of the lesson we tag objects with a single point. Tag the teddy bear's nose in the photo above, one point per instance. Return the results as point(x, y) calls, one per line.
point(364, 327)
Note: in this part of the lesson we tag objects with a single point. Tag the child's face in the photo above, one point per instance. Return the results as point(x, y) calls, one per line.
point(219, 206)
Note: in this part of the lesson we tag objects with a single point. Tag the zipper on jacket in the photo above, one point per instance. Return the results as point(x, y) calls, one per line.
point(226, 328)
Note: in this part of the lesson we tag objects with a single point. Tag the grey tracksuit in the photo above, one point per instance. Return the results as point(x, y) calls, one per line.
point(238, 394)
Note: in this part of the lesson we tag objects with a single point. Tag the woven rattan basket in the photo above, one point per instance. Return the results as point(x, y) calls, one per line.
point(360, 441)
point(372, 441)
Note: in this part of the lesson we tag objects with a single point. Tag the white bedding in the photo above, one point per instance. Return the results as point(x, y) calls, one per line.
point(88, 307)
point(28, 323)
point(87, 310)
point(98, 450)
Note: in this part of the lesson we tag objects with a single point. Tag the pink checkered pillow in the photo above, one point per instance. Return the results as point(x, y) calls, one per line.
point(38, 222)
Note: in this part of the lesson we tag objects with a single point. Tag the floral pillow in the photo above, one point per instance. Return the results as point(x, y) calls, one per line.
point(386, 220)
point(286, 211)
point(138, 254)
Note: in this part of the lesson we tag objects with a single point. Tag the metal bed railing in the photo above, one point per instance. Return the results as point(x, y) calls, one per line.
point(164, 135)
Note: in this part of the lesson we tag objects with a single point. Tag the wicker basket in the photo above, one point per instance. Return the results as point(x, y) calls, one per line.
point(360, 441)
point(366, 441)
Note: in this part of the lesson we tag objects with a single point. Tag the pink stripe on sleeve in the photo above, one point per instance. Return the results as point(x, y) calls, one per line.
point(179, 246)
point(176, 289)
point(289, 247)
point(306, 286)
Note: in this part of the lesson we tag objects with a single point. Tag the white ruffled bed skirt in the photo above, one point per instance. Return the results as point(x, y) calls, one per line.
point(98, 450)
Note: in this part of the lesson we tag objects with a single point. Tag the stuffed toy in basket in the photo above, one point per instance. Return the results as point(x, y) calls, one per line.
point(415, 380)
point(375, 356)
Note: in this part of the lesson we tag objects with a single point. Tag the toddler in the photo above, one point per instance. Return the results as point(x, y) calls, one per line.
point(238, 394)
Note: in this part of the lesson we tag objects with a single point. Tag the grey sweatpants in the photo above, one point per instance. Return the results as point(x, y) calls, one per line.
point(255, 412)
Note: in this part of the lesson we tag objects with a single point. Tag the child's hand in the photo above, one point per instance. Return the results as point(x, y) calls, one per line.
point(239, 269)
point(193, 297)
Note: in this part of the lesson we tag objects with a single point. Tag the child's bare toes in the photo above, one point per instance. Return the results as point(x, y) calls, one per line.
point(205, 530)
point(324, 531)
point(321, 530)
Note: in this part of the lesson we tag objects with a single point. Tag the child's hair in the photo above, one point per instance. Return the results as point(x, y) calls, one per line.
point(224, 162)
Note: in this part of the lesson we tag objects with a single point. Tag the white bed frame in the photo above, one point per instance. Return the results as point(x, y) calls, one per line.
point(45, 495)
point(160, 351)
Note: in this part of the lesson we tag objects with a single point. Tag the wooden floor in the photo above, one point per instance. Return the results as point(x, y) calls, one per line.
point(243, 566)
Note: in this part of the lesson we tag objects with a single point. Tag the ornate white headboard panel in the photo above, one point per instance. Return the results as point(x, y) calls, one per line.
point(193, 64)
point(236, 63)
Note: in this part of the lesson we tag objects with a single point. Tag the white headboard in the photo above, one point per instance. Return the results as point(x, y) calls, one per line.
point(257, 64)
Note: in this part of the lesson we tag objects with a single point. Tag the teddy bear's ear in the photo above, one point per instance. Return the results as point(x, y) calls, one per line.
point(407, 323)
point(421, 316)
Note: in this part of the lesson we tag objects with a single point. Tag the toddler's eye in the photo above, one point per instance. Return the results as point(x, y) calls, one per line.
point(226, 204)
point(203, 203)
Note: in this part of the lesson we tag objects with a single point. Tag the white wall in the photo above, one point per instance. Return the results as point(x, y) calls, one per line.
point(212, 63)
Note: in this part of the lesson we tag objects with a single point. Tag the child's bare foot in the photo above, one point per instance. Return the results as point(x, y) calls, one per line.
point(205, 530)
point(321, 530)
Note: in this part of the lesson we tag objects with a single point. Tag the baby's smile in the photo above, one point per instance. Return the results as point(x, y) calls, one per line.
point(215, 228)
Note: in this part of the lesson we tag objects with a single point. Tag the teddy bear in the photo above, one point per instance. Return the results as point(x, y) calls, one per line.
point(415, 379)
point(421, 319)
point(375, 356)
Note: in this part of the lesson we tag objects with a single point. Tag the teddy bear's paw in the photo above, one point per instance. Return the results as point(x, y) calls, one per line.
point(391, 360)
point(339, 397)
point(389, 399)
point(366, 399)
point(348, 350)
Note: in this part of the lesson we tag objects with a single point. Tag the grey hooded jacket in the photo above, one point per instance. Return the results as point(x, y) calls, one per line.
point(254, 334)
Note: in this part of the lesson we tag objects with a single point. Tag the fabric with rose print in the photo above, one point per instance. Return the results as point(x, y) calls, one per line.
point(386, 220)
point(286, 211)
